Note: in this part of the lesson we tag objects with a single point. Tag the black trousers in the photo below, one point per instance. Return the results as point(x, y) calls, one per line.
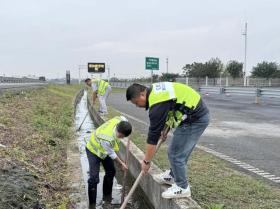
point(94, 168)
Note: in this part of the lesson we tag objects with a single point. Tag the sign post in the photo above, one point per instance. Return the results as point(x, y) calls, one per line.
point(152, 63)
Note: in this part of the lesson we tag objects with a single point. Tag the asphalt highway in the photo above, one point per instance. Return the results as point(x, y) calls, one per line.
point(239, 128)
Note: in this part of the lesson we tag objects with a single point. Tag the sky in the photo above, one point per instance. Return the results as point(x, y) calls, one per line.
point(46, 38)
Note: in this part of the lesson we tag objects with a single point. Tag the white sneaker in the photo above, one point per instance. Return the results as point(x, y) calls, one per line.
point(164, 178)
point(176, 192)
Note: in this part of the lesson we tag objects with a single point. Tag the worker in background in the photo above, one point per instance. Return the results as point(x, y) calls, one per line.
point(102, 148)
point(177, 106)
point(101, 89)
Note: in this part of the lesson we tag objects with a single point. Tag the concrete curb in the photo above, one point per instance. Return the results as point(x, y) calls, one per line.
point(77, 194)
point(148, 184)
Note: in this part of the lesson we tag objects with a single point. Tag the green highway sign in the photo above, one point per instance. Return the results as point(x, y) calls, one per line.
point(152, 63)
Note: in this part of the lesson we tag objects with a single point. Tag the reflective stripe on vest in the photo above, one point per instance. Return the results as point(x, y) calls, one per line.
point(180, 93)
point(105, 132)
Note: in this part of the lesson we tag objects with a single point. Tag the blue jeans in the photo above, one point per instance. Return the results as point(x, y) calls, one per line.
point(185, 137)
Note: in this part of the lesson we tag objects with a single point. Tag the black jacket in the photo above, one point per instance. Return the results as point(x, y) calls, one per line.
point(158, 114)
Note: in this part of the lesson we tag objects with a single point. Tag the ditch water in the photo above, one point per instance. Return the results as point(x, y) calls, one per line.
point(138, 200)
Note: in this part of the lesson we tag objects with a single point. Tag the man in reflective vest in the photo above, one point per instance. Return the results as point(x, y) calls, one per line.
point(102, 148)
point(177, 106)
point(101, 89)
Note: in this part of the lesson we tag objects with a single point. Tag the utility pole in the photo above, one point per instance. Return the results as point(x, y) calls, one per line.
point(81, 67)
point(79, 74)
point(167, 65)
point(108, 74)
point(245, 54)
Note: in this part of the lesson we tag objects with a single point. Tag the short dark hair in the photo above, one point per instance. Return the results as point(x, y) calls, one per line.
point(88, 79)
point(134, 91)
point(124, 128)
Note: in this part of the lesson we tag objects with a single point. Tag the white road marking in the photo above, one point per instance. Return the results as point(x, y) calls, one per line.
point(245, 166)
point(236, 162)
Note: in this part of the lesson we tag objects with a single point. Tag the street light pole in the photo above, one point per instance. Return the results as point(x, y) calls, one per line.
point(167, 65)
point(79, 75)
point(245, 54)
point(108, 74)
point(81, 67)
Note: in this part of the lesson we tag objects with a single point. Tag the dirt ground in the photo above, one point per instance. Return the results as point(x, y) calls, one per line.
point(35, 127)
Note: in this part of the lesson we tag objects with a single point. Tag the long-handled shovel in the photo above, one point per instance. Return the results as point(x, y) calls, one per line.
point(125, 172)
point(166, 130)
point(82, 122)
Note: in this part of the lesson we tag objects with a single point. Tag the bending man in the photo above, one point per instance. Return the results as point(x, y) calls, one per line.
point(178, 106)
point(101, 89)
point(102, 148)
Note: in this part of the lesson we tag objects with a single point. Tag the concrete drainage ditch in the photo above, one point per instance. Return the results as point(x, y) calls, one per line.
point(142, 198)
point(83, 136)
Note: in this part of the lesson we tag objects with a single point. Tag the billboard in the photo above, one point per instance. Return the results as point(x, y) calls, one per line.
point(94, 67)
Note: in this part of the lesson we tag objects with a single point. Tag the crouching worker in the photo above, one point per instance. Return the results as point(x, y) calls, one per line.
point(102, 148)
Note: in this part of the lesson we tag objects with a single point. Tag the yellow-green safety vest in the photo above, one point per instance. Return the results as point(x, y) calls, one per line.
point(101, 85)
point(104, 132)
point(180, 93)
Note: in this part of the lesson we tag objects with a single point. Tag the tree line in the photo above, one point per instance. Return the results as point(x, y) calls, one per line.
point(215, 68)
point(156, 78)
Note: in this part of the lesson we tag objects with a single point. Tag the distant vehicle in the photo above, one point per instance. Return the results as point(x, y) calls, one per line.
point(42, 78)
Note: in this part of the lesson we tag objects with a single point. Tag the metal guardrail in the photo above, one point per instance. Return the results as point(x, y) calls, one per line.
point(266, 92)
point(254, 92)
point(249, 91)
point(239, 91)
point(230, 82)
point(8, 86)
point(18, 80)
point(213, 90)
point(119, 84)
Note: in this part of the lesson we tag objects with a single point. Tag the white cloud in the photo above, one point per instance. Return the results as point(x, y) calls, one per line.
point(50, 37)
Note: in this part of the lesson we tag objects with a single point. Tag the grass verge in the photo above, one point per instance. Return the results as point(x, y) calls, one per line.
point(35, 127)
